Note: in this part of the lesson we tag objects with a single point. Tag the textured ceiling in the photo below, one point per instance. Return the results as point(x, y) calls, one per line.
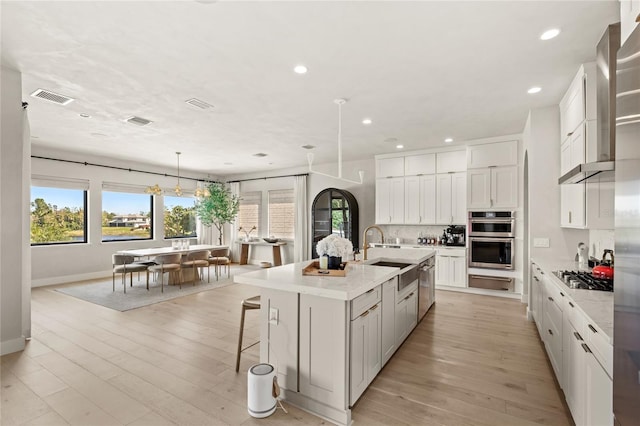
point(422, 71)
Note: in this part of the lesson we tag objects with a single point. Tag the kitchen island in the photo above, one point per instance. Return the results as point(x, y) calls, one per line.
point(328, 337)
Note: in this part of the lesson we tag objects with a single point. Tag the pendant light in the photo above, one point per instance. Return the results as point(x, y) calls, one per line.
point(338, 102)
point(178, 189)
point(202, 192)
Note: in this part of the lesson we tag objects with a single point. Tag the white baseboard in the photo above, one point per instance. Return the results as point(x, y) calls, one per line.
point(481, 291)
point(11, 346)
point(69, 278)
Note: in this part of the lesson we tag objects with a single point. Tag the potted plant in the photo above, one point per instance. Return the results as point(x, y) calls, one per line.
point(217, 208)
point(335, 248)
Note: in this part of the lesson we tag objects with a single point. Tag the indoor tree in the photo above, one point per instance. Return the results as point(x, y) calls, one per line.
point(217, 208)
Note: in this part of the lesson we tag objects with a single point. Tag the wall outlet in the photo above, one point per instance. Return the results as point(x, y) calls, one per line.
point(273, 316)
point(541, 242)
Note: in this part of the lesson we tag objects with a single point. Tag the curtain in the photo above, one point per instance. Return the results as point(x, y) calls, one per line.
point(205, 233)
point(233, 235)
point(301, 223)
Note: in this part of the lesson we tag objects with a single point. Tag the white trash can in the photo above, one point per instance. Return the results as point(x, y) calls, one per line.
point(260, 400)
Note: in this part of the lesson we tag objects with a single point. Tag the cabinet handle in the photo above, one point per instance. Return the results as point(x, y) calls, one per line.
point(562, 294)
point(408, 297)
point(569, 134)
point(420, 219)
point(365, 314)
point(571, 304)
point(578, 336)
point(592, 329)
point(550, 298)
point(536, 278)
point(370, 291)
point(550, 332)
point(491, 202)
point(374, 308)
point(586, 348)
point(389, 219)
point(541, 272)
point(569, 217)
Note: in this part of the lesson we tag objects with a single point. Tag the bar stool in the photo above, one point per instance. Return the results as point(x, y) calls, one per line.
point(247, 304)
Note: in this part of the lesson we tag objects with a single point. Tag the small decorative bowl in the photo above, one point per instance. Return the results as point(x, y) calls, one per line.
point(271, 240)
point(265, 264)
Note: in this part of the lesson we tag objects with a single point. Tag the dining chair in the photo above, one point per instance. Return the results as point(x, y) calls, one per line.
point(198, 259)
point(220, 257)
point(168, 263)
point(124, 264)
point(247, 304)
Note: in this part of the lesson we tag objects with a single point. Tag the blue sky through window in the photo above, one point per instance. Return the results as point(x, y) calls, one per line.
point(122, 203)
point(71, 198)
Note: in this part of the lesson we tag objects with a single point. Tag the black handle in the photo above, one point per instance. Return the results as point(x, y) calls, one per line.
point(550, 298)
point(562, 294)
point(571, 304)
point(592, 329)
point(577, 335)
point(550, 332)
point(586, 348)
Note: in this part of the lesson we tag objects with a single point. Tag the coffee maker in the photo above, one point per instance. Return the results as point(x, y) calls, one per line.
point(455, 235)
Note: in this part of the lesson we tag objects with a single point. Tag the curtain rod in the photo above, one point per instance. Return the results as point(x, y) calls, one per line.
point(269, 177)
point(85, 163)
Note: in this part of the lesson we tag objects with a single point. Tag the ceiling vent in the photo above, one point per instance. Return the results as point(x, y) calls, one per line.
point(52, 97)
point(138, 121)
point(260, 154)
point(198, 103)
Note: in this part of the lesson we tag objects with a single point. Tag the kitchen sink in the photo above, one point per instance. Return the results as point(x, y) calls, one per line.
point(391, 264)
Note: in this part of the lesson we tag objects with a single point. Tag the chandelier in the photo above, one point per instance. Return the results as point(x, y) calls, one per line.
point(156, 190)
point(202, 192)
point(339, 102)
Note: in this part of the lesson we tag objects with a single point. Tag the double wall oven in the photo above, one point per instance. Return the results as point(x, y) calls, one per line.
point(491, 240)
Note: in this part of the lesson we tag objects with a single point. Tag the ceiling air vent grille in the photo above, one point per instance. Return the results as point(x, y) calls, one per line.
point(52, 97)
point(198, 103)
point(138, 121)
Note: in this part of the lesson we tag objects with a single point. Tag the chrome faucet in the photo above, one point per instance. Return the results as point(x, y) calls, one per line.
point(365, 244)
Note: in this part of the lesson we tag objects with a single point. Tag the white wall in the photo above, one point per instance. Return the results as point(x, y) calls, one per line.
point(72, 262)
point(14, 300)
point(543, 144)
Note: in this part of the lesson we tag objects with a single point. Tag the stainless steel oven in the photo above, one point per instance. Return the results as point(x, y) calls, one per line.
point(492, 224)
point(492, 253)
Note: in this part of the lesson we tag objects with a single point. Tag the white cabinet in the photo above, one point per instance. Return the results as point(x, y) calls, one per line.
point(420, 200)
point(599, 394)
point(576, 359)
point(451, 161)
point(451, 193)
point(366, 334)
point(451, 268)
point(406, 315)
point(388, 319)
point(390, 200)
point(492, 154)
point(572, 105)
point(536, 292)
point(389, 167)
point(494, 187)
point(424, 164)
point(553, 330)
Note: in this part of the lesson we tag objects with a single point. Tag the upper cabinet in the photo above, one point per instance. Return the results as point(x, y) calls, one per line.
point(451, 204)
point(389, 167)
point(492, 155)
point(390, 200)
point(629, 18)
point(451, 161)
point(416, 165)
point(579, 102)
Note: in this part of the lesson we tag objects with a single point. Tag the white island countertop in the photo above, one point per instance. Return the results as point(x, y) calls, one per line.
point(360, 279)
point(597, 305)
point(407, 255)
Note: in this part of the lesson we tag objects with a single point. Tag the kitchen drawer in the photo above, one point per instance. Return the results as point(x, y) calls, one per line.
point(365, 301)
point(556, 293)
point(574, 316)
point(599, 344)
point(407, 290)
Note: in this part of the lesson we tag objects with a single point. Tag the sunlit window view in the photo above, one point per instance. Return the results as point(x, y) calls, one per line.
point(179, 217)
point(58, 216)
point(126, 216)
point(249, 214)
point(281, 213)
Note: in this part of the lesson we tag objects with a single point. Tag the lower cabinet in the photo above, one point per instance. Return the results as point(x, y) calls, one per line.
point(406, 315)
point(451, 268)
point(388, 319)
point(599, 391)
point(366, 334)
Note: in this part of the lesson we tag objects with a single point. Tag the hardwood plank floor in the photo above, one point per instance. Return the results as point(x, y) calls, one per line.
point(474, 360)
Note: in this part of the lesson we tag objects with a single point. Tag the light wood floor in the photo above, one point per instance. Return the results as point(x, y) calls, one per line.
point(474, 360)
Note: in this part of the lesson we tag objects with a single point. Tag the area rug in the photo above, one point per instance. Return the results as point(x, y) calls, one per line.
point(101, 292)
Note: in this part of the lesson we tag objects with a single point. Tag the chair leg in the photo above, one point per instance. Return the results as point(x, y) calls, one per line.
point(147, 280)
point(124, 281)
point(131, 279)
point(240, 338)
point(113, 280)
point(161, 281)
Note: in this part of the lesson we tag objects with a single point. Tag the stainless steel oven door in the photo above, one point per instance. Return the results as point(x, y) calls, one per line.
point(492, 228)
point(491, 253)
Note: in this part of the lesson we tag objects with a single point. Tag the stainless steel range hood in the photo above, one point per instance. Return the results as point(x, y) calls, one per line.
point(603, 165)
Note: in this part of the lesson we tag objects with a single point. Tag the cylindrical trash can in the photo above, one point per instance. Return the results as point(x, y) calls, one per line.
point(260, 399)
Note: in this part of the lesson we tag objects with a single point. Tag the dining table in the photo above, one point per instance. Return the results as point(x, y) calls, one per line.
point(157, 251)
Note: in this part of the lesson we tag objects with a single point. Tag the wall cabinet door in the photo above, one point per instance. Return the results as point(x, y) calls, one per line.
point(479, 194)
point(572, 106)
point(390, 201)
point(504, 187)
point(427, 199)
point(424, 164)
point(492, 154)
point(390, 167)
point(577, 141)
point(459, 198)
point(599, 394)
point(412, 200)
point(572, 206)
point(443, 194)
point(451, 161)
point(388, 319)
point(565, 157)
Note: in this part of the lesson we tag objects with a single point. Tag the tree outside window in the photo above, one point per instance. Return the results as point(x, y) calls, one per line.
point(126, 216)
point(179, 217)
point(58, 216)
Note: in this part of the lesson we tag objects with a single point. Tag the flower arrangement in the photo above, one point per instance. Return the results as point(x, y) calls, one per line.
point(247, 233)
point(334, 246)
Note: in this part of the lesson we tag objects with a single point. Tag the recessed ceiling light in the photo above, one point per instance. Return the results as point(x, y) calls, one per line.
point(533, 90)
point(399, 146)
point(448, 140)
point(367, 121)
point(549, 34)
point(391, 140)
point(83, 115)
point(300, 69)
point(228, 164)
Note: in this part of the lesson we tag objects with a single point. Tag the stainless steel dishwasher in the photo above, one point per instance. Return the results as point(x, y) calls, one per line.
point(426, 288)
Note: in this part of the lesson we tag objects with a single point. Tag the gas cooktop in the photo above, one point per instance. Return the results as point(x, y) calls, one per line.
point(584, 280)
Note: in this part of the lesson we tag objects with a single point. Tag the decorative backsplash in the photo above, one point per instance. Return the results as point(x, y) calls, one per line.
point(599, 240)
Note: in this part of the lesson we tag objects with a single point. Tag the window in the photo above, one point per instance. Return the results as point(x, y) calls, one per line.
point(281, 213)
point(249, 212)
point(179, 217)
point(58, 215)
point(126, 215)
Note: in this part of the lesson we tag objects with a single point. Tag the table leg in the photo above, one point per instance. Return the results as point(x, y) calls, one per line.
point(277, 257)
point(244, 254)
